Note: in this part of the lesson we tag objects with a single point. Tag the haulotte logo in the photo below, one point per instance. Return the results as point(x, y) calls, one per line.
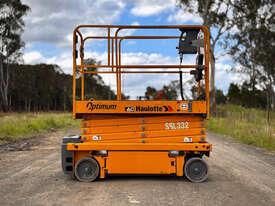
point(148, 109)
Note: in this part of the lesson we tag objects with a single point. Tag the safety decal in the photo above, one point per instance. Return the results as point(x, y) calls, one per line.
point(184, 106)
point(96, 138)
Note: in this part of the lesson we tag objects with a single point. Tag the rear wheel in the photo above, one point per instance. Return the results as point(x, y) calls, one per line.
point(86, 169)
point(196, 169)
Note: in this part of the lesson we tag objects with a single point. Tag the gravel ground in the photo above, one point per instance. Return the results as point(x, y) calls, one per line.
point(239, 175)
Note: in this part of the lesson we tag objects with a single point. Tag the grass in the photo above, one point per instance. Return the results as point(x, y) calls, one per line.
point(15, 126)
point(249, 126)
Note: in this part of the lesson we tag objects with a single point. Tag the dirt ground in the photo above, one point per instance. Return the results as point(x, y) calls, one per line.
point(239, 175)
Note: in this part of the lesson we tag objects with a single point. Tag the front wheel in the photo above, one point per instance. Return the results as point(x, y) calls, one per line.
point(196, 169)
point(86, 169)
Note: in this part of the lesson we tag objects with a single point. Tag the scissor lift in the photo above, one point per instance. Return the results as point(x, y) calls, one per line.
point(139, 136)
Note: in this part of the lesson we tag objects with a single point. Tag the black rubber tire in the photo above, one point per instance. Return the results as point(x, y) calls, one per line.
point(196, 169)
point(86, 169)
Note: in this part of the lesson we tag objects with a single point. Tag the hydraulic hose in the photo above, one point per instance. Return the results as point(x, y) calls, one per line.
point(181, 88)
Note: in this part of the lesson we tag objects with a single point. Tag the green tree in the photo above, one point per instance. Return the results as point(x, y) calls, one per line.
point(150, 93)
point(167, 92)
point(11, 27)
point(234, 94)
point(215, 15)
point(53, 88)
point(254, 46)
point(95, 87)
point(220, 97)
point(246, 96)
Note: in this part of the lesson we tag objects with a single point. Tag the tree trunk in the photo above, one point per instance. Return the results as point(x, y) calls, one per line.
point(29, 105)
point(268, 98)
point(4, 80)
point(272, 86)
point(26, 104)
point(10, 102)
point(213, 106)
point(64, 98)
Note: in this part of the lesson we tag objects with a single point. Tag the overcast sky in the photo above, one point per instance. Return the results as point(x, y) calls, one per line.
point(50, 23)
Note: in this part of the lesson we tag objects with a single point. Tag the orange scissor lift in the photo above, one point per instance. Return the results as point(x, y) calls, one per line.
point(138, 136)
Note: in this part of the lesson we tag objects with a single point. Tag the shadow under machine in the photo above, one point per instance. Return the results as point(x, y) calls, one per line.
point(121, 136)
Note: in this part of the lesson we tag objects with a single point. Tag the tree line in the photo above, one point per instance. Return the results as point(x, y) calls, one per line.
point(45, 87)
point(245, 94)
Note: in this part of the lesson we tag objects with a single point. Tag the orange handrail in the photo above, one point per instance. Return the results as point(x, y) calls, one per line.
point(114, 55)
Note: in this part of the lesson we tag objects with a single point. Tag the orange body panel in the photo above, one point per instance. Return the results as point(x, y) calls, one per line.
point(178, 139)
point(129, 128)
point(162, 126)
point(106, 120)
point(87, 146)
point(139, 107)
point(135, 162)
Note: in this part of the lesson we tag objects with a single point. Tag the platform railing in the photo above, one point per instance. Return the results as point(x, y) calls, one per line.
point(114, 44)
